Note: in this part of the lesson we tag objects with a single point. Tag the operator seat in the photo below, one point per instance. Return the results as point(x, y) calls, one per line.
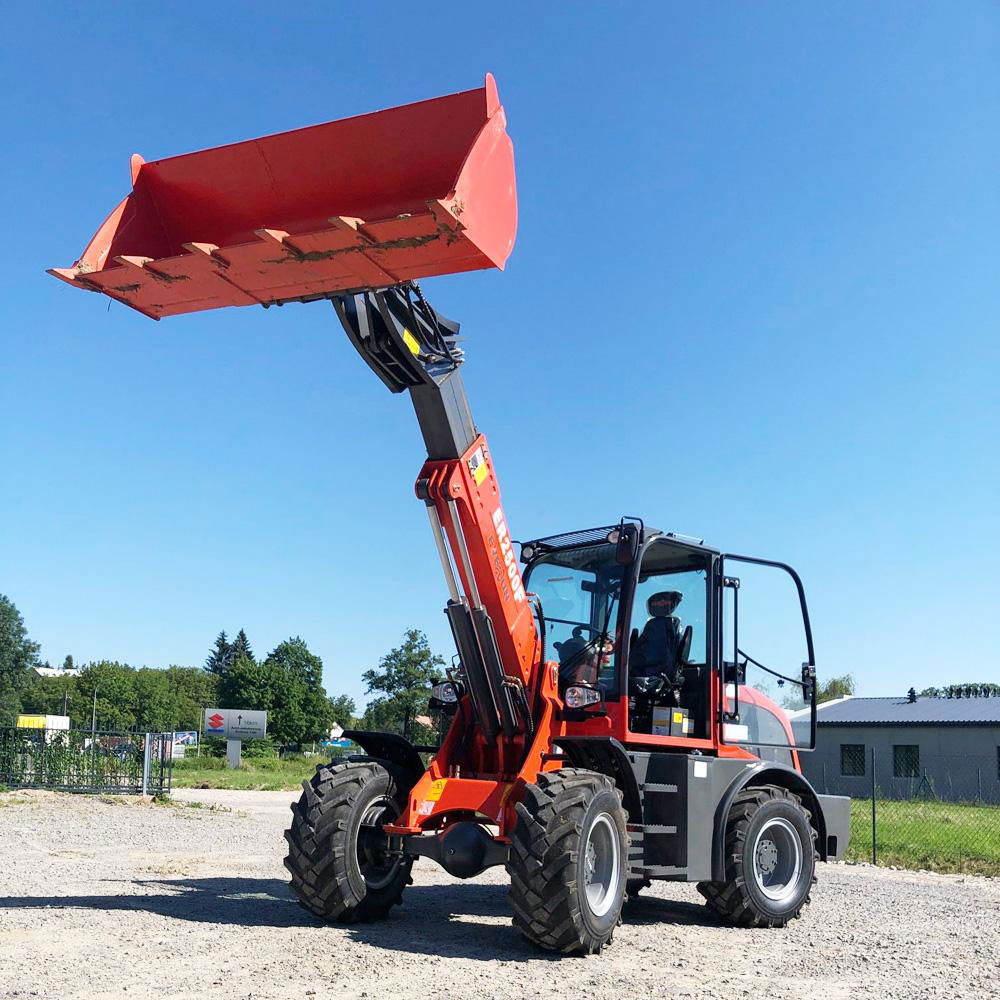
point(655, 650)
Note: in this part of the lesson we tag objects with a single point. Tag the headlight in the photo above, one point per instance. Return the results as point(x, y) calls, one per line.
point(581, 697)
point(444, 692)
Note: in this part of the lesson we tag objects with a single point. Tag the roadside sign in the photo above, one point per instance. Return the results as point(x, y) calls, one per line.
point(215, 722)
point(246, 725)
point(182, 740)
point(235, 723)
point(42, 722)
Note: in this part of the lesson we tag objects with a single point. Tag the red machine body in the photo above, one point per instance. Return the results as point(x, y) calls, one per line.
point(354, 211)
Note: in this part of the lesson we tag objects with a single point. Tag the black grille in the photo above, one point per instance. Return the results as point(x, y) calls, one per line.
point(571, 539)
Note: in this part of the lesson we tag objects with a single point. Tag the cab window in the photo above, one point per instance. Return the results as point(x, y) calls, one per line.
point(668, 642)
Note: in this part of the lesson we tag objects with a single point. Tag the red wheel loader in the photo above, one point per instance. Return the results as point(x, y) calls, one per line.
point(607, 729)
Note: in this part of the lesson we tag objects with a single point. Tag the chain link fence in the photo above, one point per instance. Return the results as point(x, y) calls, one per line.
point(82, 761)
point(937, 812)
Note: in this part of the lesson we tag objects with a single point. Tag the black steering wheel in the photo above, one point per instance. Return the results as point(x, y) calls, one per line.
point(648, 687)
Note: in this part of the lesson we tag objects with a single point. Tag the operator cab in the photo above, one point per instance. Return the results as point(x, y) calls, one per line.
point(635, 631)
point(648, 640)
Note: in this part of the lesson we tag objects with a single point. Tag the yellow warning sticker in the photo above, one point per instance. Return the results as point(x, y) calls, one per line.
point(678, 717)
point(411, 342)
point(478, 466)
point(436, 789)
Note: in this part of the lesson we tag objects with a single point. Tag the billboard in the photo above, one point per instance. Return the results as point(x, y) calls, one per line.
point(235, 723)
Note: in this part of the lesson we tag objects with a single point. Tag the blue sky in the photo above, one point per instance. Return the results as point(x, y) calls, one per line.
point(754, 297)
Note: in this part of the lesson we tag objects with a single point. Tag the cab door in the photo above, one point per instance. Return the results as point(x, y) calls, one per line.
point(668, 634)
point(767, 680)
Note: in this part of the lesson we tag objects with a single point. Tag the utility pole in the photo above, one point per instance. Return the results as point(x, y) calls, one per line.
point(93, 714)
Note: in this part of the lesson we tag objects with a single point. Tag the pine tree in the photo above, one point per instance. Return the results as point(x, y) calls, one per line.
point(221, 657)
point(241, 647)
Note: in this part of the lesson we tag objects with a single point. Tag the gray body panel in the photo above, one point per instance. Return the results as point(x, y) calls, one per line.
point(678, 804)
point(683, 853)
point(837, 815)
point(685, 805)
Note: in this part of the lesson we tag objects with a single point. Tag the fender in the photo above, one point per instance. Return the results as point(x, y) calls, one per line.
point(397, 750)
point(765, 773)
point(606, 755)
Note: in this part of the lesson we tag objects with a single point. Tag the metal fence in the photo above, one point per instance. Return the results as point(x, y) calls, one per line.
point(942, 814)
point(82, 761)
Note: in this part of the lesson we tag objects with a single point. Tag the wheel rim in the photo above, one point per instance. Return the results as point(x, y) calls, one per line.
point(777, 859)
point(601, 865)
point(378, 867)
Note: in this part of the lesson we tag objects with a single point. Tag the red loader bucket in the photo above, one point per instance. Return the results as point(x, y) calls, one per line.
point(376, 200)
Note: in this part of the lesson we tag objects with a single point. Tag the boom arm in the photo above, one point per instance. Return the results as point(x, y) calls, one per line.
point(412, 347)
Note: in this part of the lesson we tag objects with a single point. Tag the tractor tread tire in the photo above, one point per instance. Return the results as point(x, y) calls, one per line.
point(543, 861)
point(317, 842)
point(730, 899)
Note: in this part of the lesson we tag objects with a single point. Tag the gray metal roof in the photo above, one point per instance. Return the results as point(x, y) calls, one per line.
point(900, 711)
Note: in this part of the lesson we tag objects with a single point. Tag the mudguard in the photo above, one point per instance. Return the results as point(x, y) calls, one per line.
point(770, 773)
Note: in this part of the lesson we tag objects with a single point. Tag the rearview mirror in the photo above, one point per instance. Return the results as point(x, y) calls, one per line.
point(626, 541)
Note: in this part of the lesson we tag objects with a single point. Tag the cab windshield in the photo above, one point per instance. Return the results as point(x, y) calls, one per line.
point(579, 590)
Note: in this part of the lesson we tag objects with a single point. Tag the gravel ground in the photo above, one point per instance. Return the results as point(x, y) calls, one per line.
point(119, 898)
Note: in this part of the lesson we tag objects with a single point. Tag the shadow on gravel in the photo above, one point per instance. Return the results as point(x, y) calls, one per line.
point(434, 919)
point(248, 902)
point(651, 910)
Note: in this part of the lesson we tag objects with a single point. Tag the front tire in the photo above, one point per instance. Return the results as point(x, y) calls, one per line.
point(770, 860)
point(337, 854)
point(569, 861)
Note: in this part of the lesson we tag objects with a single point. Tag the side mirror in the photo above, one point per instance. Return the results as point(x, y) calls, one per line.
point(735, 673)
point(626, 541)
point(808, 682)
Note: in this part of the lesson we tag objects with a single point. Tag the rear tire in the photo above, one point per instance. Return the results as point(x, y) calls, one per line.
point(569, 861)
point(770, 860)
point(336, 849)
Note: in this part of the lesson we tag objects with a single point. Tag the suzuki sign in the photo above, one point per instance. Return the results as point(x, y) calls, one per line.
point(235, 723)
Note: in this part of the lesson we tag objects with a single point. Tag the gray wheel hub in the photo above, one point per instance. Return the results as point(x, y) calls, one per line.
point(777, 859)
point(602, 865)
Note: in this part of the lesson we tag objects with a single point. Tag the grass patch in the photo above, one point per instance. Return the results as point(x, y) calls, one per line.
point(936, 836)
point(265, 774)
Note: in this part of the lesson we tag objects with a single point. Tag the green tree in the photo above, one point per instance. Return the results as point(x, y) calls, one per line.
point(270, 688)
point(115, 687)
point(192, 691)
point(241, 647)
point(221, 656)
point(294, 656)
point(68, 662)
point(835, 687)
point(978, 689)
point(47, 695)
point(17, 655)
point(402, 681)
point(155, 707)
point(342, 710)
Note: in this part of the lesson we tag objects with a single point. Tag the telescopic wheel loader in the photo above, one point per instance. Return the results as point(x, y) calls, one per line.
point(601, 735)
